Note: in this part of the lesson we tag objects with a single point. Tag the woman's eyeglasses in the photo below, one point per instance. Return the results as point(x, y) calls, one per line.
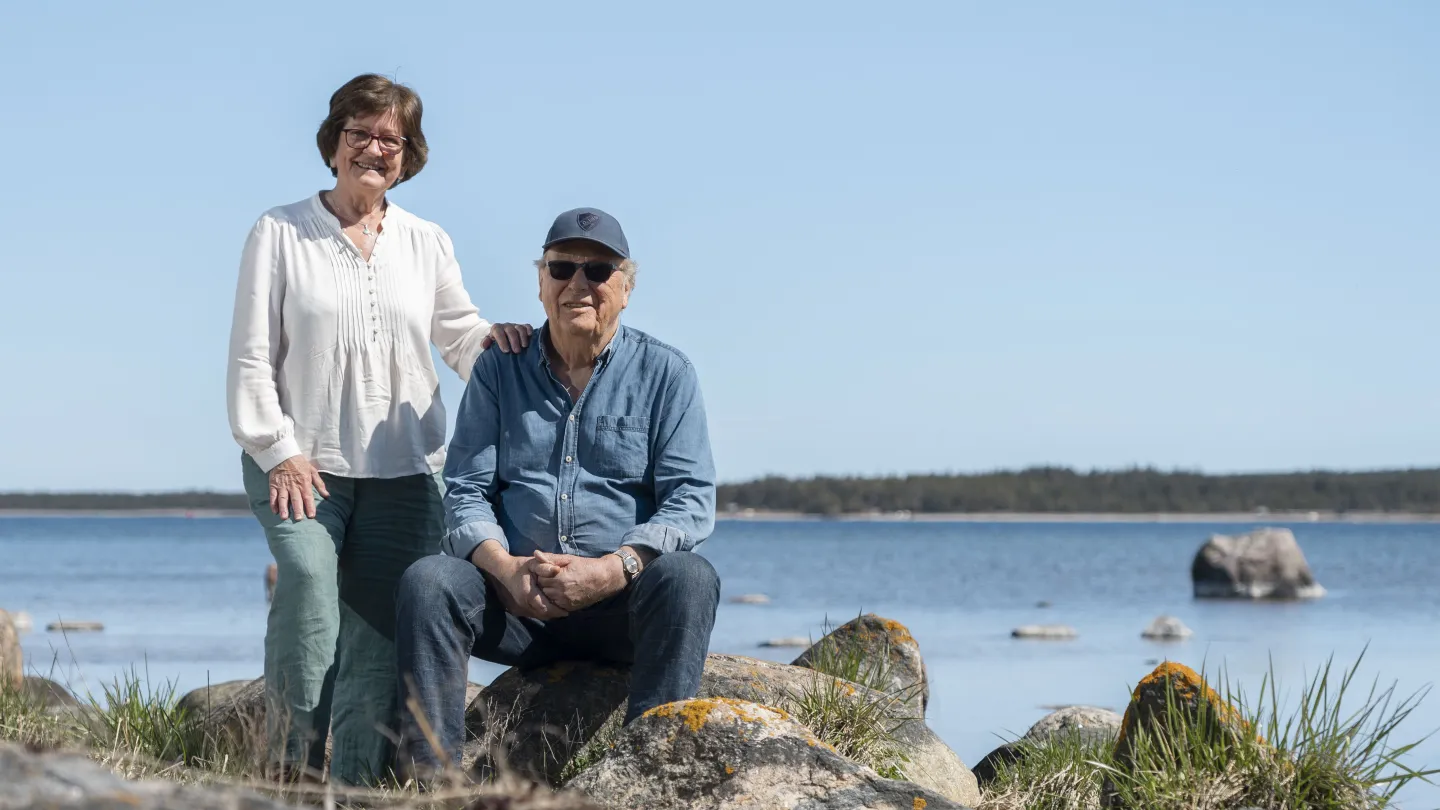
point(595, 272)
point(360, 139)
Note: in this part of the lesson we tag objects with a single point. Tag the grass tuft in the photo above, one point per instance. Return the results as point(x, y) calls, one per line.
point(1329, 752)
point(860, 724)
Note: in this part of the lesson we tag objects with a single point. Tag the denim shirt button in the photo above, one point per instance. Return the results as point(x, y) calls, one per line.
point(564, 497)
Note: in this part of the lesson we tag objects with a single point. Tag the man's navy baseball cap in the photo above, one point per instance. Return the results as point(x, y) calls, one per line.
point(592, 225)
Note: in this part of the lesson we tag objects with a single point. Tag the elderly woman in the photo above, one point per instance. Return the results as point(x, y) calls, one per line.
point(334, 398)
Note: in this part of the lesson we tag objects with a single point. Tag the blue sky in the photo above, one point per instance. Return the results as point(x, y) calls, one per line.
point(893, 236)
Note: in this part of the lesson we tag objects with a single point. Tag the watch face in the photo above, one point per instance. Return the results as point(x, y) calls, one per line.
point(631, 564)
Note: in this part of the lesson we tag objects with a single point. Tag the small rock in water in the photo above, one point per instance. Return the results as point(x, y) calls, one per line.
point(1044, 631)
point(787, 641)
point(1167, 628)
point(1043, 604)
point(75, 627)
point(750, 599)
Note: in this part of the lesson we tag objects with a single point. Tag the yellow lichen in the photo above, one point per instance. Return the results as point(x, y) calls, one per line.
point(729, 770)
point(899, 633)
point(918, 804)
point(1188, 686)
point(696, 713)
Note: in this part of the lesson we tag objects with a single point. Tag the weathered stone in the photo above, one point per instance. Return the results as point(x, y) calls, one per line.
point(1167, 628)
point(1048, 632)
point(46, 693)
point(72, 782)
point(786, 641)
point(1089, 724)
point(1264, 564)
point(202, 701)
point(1189, 700)
point(891, 655)
point(234, 716)
point(12, 660)
point(718, 754)
point(545, 718)
point(749, 599)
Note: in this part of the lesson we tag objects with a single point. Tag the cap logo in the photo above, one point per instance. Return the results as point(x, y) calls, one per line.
point(587, 221)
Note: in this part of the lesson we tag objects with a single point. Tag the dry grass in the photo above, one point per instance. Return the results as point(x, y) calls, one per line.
point(139, 732)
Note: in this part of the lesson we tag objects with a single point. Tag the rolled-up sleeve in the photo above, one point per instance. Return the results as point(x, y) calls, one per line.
point(257, 421)
point(684, 473)
point(470, 481)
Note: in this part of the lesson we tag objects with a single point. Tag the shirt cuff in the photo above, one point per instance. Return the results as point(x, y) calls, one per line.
point(657, 537)
point(271, 456)
point(462, 541)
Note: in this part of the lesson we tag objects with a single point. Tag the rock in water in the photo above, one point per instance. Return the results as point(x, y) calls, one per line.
point(1090, 724)
point(1166, 628)
point(1264, 564)
point(72, 782)
point(718, 754)
point(548, 718)
point(12, 661)
point(750, 599)
point(888, 655)
point(1048, 632)
point(786, 641)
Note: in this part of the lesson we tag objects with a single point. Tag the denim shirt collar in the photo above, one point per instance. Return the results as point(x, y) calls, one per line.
point(537, 347)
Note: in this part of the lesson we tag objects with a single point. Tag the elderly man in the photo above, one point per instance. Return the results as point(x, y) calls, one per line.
point(579, 484)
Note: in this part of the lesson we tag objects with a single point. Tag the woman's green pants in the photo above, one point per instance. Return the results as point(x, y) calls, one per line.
point(330, 638)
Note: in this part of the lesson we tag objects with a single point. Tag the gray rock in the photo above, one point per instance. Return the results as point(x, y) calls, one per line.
point(749, 599)
point(1264, 564)
point(1090, 724)
point(47, 693)
point(786, 641)
point(1167, 628)
point(1048, 632)
point(891, 656)
point(719, 754)
point(210, 697)
point(1087, 722)
point(545, 719)
point(12, 660)
point(71, 782)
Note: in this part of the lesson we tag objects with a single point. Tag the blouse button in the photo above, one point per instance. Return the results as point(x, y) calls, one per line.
point(564, 497)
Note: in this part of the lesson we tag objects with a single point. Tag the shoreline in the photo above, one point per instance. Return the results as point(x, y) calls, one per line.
point(755, 515)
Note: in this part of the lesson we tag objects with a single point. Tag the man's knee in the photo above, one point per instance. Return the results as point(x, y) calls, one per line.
point(435, 580)
point(682, 576)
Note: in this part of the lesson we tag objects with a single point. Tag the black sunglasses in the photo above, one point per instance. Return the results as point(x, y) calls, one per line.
point(595, 272)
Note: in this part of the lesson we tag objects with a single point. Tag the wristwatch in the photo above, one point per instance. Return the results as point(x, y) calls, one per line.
point(630, 563)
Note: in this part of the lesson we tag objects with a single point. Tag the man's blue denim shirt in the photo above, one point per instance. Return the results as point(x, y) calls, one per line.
point(628, 464)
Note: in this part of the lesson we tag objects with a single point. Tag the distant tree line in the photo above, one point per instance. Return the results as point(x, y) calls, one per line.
point(1055, 489)
point(1041, 489)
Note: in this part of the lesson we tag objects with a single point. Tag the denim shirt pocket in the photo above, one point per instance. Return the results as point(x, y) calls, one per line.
point(622, 446)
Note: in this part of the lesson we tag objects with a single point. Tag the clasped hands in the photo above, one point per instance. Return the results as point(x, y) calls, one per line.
point(552, 586)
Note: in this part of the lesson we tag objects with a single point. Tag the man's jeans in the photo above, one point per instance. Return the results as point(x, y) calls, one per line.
point(447, 611)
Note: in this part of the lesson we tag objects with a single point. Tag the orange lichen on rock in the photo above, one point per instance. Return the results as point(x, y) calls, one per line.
point(696, 713)
point(729, 770)
point(918, 804)
point(1189, 689)
point(899, 634)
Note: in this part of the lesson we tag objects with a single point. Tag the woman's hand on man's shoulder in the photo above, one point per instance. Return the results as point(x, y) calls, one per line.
point(512, 338)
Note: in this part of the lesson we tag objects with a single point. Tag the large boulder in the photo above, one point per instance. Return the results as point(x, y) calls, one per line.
point(1263, 564)
point(550, 721)
point(715, 754)
point(47, 694)
point(12, 661)
point(875, 651)
point(33, 781)
point(1089, 725)
point(207, 698)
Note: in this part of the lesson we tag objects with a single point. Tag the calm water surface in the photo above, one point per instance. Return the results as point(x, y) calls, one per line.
point(183, 600)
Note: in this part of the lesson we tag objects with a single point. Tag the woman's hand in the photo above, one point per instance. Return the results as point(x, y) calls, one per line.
point(292, 484)
point(512, 338)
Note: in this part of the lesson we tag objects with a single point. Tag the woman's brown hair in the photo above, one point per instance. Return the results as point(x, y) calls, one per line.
point(373, 94)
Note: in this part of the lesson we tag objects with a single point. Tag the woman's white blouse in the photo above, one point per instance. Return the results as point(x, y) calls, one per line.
point(330, 354)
